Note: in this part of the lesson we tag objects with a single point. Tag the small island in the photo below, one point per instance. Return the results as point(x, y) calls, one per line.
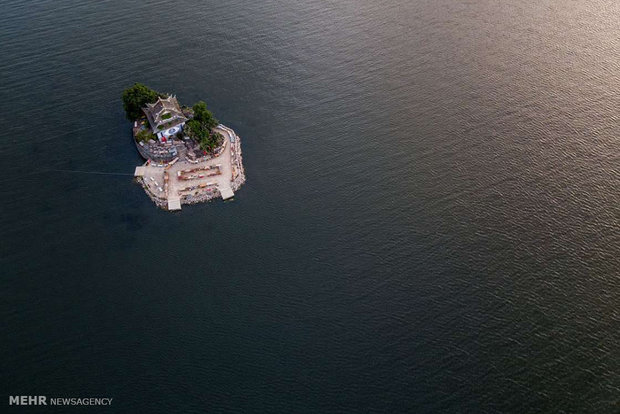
point(190, 157)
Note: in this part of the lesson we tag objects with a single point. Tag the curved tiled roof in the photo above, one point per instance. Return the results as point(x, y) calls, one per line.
point(155, 113)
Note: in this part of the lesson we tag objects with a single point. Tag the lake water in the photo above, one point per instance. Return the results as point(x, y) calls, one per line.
point(430, 223)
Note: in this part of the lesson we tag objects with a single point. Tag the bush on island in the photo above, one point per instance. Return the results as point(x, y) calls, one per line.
point(204, 116)
point(136, 97)
point(212, 142)
point(200, 128)
point(145, 135)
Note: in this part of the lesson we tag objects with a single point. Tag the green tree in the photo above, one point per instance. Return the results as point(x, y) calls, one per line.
point(196, 130)
point(200, 128)
point(204, 116)
point(136, 97)
point(207, 140)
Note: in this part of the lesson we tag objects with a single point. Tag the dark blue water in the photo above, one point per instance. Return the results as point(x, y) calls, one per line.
point(431, 220)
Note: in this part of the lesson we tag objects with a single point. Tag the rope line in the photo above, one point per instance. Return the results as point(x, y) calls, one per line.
point(92, 172)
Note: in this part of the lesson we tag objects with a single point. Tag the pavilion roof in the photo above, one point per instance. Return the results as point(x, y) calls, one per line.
point(155, 112)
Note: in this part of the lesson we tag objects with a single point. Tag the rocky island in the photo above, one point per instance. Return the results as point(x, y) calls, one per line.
point(190, 157)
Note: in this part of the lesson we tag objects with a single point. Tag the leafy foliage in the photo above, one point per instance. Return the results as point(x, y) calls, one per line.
point(200, 128)
point(144, 135)
point(211, 142)
point(204, 116)
point(136, 97)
